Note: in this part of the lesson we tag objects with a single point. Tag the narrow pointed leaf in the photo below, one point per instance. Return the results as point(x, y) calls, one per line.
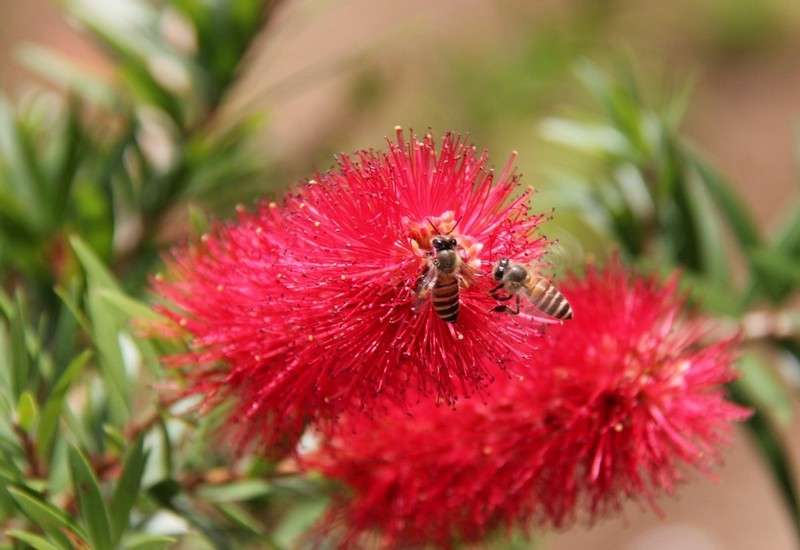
point(27, 411)
point(788, 236)
point(241, 518)
point(105, 325)
point(49, 518)
point(21, 361)
point(776, 267)
point(237, 491)
point(770, 443)
point(710, 237)
point(96, 272)
point(130, 307)
point(51, 412)
point(35, 541)
point(297, 521)
point(739, 220)
point(127, 489)
point(90, 500)
point(152, 542)
point(766, 389)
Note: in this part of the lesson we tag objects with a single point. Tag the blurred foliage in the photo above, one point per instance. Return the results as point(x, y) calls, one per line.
point(644, 187)
point(90, 455)
point(121, 157)
point(94, 185)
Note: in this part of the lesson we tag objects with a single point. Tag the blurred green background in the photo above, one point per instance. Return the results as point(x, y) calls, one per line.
point(336, 76)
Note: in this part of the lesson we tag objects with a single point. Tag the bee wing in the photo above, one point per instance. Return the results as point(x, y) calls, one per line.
point(426, 281)
point(467, 273)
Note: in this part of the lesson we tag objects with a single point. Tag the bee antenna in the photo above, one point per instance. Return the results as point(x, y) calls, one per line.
point(437, 229)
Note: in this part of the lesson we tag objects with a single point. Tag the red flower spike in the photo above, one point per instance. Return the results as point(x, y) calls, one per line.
point(622, 401)
point(306, 310)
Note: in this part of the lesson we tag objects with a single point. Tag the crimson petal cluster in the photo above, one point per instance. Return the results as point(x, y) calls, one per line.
point(301, 311)
point(619, 403)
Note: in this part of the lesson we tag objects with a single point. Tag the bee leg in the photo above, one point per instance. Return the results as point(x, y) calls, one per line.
point(502, 298)
point(496, 289)
point(513, 311)
point(504, 308)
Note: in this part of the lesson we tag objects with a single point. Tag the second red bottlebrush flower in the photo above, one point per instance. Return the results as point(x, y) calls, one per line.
point(307, 309)
point(620, 403)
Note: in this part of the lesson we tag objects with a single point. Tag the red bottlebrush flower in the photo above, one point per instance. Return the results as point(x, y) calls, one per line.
point(618, 404)
point(308, 309)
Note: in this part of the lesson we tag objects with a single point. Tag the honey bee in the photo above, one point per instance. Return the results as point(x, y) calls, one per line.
point(442, 278)
point(519, 280)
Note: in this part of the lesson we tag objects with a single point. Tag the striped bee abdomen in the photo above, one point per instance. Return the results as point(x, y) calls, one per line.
point(546, 297)
point(445, 297)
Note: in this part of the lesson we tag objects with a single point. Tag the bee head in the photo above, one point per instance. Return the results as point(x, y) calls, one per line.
point(443, 242)
point(500, 269)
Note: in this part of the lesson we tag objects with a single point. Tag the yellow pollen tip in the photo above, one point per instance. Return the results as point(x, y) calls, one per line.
point(240, 208)
point(279, 276)
point(302, 205)
point(220, 288)
point(204, 237)
point(259, 230)
point(312, 182)
point(343, 277)
point(273, 205)
point(460, 336)
point(310, 337)
point(398, 128)
point(182, 322)
point(317, 224)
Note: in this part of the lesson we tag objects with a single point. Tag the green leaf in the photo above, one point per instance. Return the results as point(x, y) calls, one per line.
point(297, 521)
point(37, 542)
point(51, 413)
point(788, 236)
point(130, 307)
point(598, 139)
point(53, 521)
point(776, 268)
point(765, 389)
point(97, 273)
point(721, 191)
point(27, 411)
point(713, 297)
point(90, 499)
point(770, 442)
point(242, 518)
point(127, 489)
point(237, 491)
point(198, 220)
point(709, 236)
point(105, 326)
point(20, 358)
point(23, 176)
point(150, 542)
point(775, 273)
